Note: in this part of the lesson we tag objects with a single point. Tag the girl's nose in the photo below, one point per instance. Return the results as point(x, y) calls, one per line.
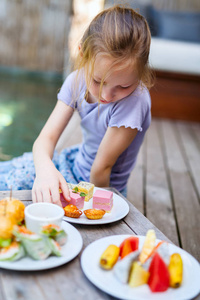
point(107, 93)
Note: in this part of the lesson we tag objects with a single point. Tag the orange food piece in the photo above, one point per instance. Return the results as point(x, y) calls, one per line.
point(126, 249)
point(128, 245)
point(13, 207)
point(72, 211)
point(94, 214)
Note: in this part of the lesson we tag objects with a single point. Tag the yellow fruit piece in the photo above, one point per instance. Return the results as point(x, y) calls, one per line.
point(149, 244)
point(175, 270)
point(12, 207)
point(6, 226)
point(109, 257)
point(138, 275)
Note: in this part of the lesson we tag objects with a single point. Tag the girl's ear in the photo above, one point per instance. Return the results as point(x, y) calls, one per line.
point(80, 50)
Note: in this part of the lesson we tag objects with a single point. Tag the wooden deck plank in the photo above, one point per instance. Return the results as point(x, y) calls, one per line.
point(31, 290)
point(159, 209)
point(135, 185)
point(186, 204)
point(192, 153)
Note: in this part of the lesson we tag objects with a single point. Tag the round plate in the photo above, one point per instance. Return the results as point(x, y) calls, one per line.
point(106, 280)
point(70, 250)
point(119, 211)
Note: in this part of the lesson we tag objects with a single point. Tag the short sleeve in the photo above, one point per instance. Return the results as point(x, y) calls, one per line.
point(72, 89)
point(65, 93)
point(132, 110)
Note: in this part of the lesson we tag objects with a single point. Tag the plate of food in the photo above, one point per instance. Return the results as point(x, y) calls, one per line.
point(140, 268)
point(90, 205)
point(67, 252)
point(22, 249)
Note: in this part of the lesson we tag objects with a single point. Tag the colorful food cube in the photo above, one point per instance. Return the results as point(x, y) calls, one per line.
point(76, 199)
point(87, 188)
point(103, 200)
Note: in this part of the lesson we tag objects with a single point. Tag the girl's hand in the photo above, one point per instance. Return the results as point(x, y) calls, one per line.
point(47, 184)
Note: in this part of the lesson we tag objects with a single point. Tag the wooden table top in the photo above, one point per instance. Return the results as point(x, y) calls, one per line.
point(68, 281)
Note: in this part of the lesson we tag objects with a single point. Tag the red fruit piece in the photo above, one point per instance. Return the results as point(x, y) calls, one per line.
point(129, 245)
point(159, 274)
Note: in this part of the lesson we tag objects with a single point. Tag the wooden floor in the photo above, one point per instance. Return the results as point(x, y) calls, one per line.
point(165, 184)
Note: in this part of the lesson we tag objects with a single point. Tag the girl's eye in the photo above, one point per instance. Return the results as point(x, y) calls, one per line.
point(124, 87)
point(95, 81)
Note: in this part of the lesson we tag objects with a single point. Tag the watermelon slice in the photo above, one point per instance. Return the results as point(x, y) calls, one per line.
point(159, 274)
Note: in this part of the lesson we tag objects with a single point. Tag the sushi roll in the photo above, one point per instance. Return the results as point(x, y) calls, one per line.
point(55, 232)
point(55, 247)
point(35, 245)
point(13, 252)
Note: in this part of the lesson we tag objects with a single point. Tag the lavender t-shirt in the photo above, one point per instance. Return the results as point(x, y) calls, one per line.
point(132, 111)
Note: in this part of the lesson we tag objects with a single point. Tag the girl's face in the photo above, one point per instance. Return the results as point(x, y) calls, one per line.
point(119, 82)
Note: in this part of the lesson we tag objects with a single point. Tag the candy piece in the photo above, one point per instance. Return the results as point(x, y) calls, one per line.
point(94, 214)
point(103, 200)
point(87, 188)
point(72, 211)
point(109, 257)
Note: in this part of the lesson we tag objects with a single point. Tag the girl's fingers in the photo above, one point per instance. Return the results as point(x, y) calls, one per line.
point(55, 197)
point(39, 196)
point(65, 190)
point(34, 197)
point(46, 196)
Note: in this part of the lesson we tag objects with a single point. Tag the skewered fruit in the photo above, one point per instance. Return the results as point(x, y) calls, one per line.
point(6, 226)
point(14, 207)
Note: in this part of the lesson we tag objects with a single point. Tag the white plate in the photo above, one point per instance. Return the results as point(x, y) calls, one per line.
point(119, 211)
point(70, 250)
point(106, 280)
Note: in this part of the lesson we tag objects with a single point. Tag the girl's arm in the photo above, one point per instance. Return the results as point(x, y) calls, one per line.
point(48, 179)
point(115, 141)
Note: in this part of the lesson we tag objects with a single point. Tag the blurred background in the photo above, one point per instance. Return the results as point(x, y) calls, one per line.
point(38, 40)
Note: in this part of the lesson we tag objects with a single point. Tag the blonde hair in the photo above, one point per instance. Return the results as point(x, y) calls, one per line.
point(120, 33)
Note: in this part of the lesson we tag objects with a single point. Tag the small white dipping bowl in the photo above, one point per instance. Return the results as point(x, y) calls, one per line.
point(40, 214)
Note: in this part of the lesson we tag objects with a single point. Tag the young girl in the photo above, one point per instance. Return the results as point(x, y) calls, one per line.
point(110, 91)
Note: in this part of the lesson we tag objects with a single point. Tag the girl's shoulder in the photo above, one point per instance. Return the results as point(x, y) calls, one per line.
point(139, 99)
point(72, 88)
point(132, 110)
point(75, 77)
